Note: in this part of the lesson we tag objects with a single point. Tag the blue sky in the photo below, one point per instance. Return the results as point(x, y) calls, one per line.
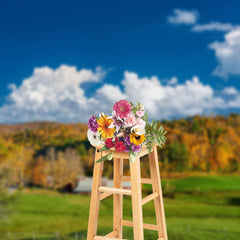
point(64, 60)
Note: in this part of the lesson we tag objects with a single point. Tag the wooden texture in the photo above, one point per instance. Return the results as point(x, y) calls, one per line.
point(107, 238)
point(100, 192)
point(115, 190)
point(136, 199)
point(149, 198)
point(114, 233)
point(145, 225)
point(143, 180)
point(117, 198)
point(104, 195)
point(156, 186)
point(95, 197)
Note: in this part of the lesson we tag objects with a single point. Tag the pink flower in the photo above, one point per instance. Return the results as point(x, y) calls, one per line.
point(141, 122)
point(130, 120)
point(140, 113)
point(122, 108)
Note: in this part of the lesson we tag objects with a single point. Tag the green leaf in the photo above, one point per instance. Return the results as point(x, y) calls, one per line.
point(132, 156)
point(106, 157)
point(104, 148)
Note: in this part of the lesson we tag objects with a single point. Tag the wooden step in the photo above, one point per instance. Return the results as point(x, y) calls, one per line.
point(149, 198)
point(143, 180)
point(115, 190)
point(107, 238)
point(145, 225)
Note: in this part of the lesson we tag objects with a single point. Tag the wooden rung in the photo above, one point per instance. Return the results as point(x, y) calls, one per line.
point(112, 234)
point(104, 195)
point(145, 225)
point(107, 238)
point(143, 180)
point(115, 190)
point(149, 198)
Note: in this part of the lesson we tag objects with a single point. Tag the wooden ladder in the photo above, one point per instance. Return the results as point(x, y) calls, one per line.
point(100, 192)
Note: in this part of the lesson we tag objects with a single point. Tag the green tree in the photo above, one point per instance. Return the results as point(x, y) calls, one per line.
point(178, 155)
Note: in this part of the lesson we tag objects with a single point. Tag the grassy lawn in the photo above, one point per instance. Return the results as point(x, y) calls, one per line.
point(203, 208)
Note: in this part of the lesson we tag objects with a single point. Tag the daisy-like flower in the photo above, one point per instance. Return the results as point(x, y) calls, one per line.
point(138, 129)
point(104, 122)
point(137, 139)
point(94, 138)
point(122, 108)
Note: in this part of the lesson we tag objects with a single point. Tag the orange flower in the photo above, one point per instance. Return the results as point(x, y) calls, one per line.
point(104, 123)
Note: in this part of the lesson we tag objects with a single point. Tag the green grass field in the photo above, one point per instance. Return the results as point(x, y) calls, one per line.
point(203, 208)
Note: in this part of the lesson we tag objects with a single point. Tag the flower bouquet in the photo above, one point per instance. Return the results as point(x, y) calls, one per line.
point(127, 130)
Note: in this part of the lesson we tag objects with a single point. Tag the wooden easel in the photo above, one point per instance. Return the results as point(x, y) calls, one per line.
point(99, 193)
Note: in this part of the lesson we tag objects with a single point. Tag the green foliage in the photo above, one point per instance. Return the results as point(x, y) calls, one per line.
point(106, 157)
point(178, 155)
point(208, 215)
point(154, 135)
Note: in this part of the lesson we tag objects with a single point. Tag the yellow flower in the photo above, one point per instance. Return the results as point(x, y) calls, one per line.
point(137, 139)
point(104, 123)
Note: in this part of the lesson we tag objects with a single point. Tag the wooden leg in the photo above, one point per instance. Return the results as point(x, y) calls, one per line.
point(117, 198)
point(95, 200)
point(158, 202)
point(136, 199)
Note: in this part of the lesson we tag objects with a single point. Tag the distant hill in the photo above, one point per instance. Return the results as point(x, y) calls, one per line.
point(36, 125)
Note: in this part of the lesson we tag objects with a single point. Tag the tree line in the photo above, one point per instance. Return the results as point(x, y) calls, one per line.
point(48, 154)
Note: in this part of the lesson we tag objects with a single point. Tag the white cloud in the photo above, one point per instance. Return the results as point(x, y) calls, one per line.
point(173, 81)
point(230, 91)
point(189, 98)
point(213, 26)
point(181, 16)
point(51, 95)
point(228, 54)
point(58, 95)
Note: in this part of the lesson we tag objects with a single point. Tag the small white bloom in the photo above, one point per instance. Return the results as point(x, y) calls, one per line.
point(141, 107)
point(138, 129)
point(101, 114)
point(94, 138)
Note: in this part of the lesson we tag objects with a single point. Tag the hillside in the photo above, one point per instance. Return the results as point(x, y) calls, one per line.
point(52, 154)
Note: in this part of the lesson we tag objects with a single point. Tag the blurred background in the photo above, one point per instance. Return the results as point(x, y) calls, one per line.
point(61, 62)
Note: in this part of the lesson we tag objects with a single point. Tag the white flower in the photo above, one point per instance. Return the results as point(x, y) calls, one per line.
point(141, 107)
point(101, 114)
point(138, 129)
point(94, 138)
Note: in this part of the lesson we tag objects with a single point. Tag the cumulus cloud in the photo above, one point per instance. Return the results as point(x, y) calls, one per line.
point(173, 81)
point(51, 95)
point(213, 26)
point(181, 16)
point(58, 95)
point(228, 54)
point(189, 98)
point(230, 91)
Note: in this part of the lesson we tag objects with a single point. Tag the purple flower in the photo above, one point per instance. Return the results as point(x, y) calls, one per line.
point(136, 148)
point(126, 148)
point(127, 140)
point(92, 124)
